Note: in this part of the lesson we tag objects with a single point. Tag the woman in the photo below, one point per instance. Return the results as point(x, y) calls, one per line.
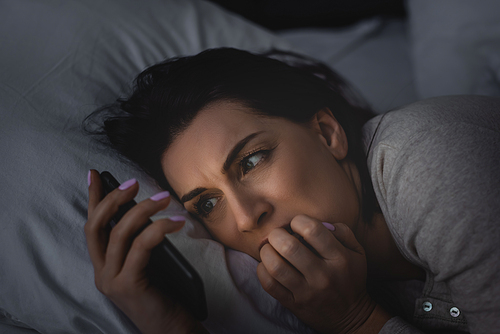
point(272, 159)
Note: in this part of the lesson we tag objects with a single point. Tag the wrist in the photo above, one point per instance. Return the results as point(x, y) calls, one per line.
point(375, 321)
point(367, 318)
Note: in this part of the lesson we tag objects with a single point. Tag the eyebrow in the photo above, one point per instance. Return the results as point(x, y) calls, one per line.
point(192, 194)
point(229, 160)
point(237, 149)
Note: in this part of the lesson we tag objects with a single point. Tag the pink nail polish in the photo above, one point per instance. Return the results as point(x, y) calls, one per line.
point(160, 196)
point(127, 184)
point(177, 218)
point(89, 178)
point(329, 226)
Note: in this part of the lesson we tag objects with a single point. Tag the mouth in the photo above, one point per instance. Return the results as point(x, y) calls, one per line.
point(265, 241)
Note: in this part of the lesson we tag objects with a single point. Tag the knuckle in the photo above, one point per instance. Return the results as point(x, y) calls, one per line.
point(299, 219)
point(118, 234)
point(142, 210)
point(289, 247)
point(139, 243)
point(268, 285)
point(341, 263)
point(343, 227)
point(111, 199)
point(148, 238)
point(276, 269)
point(311, 229)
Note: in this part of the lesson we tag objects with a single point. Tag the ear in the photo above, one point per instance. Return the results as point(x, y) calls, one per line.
point(331, 133)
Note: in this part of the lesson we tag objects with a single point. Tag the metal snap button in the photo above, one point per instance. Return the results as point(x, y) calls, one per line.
point(454, 312)
point(427, 306)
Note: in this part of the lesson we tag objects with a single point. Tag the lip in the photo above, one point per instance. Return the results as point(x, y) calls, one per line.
point(265, 241)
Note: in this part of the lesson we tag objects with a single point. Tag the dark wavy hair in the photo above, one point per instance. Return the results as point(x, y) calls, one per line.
point(167, 96)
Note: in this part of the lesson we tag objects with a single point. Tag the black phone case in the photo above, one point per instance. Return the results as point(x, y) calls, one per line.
point(167, 268)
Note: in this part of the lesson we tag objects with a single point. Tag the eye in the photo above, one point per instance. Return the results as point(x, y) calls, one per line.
point(204, 206)
point(248, 163)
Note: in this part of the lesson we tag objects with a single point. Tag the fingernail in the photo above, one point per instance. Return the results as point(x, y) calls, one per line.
point(329, 226)
point(177, 218)
point(127, 184)
point(89, 178)
point(160, 196)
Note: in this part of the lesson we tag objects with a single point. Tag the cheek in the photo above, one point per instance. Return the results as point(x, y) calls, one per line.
point(320, 187)
point(301, 174)
point(227, 234)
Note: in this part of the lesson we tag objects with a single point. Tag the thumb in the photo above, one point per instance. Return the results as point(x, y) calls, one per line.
point(346, 237)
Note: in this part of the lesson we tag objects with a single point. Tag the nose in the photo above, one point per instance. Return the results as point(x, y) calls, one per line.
point(250, 209)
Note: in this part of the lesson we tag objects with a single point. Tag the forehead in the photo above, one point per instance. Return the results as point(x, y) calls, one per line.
point(198, 153)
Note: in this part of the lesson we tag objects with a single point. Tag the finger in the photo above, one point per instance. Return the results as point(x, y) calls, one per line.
point(299, 256)
point(273, 287)
point(317, 235)
point(130, 225)
point(140, 252)
point(95, 190)
point(109, 205)
point(100, 215)
point(347, 238)
point(96, 237)
point(280, 269)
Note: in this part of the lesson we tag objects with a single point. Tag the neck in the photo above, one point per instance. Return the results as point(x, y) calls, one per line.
point(385, 261)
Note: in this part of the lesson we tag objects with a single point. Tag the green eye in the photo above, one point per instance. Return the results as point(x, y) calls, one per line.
point(207, 206)
point(251, 161)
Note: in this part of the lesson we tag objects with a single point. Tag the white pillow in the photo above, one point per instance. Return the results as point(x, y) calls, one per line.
point(455, 46)
point(61, 60)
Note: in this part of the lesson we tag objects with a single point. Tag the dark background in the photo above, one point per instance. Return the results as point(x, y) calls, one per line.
point(288, 14)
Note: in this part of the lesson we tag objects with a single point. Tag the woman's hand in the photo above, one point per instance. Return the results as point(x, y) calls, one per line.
point(328, 292)
point(120, 260)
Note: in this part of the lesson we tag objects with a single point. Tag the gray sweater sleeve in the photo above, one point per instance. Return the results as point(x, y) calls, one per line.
point(436, 173)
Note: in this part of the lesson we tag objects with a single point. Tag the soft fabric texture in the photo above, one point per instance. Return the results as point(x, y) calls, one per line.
point(455, 46)
point(435, 167)
point(60, 61)
point(373, 55)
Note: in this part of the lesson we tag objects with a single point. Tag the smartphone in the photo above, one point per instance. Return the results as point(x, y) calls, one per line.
point(167, 269)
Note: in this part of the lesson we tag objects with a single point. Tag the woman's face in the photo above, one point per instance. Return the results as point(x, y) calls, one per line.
point(244, 175)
